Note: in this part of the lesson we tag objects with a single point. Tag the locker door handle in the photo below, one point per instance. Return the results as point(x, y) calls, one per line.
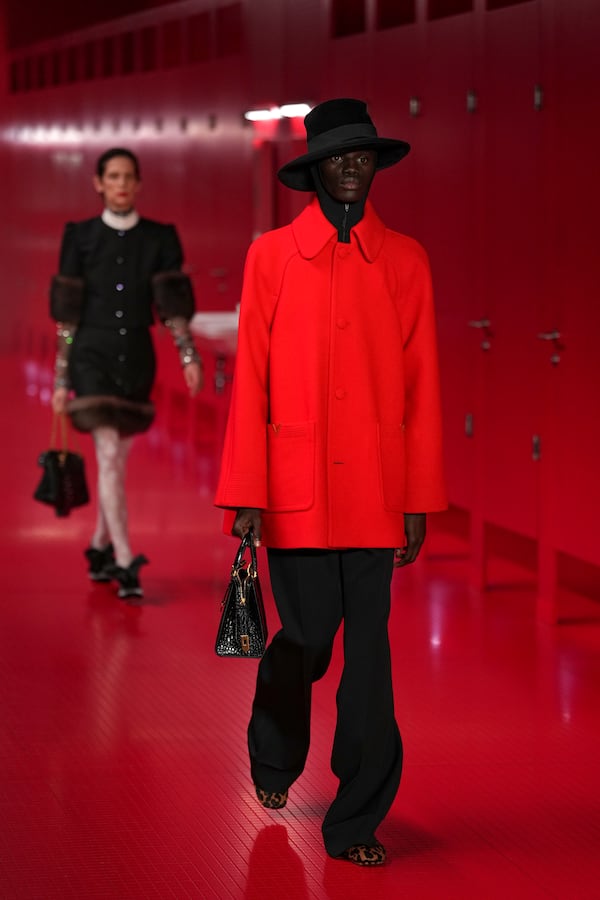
point(549, 335)
point(483, 325)
point(554, 336)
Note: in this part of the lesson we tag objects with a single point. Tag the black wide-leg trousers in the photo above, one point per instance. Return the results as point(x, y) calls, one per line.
point(314, 591)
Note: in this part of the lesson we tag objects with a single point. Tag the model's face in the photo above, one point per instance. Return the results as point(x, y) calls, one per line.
point(119, 184)
point(347, 176)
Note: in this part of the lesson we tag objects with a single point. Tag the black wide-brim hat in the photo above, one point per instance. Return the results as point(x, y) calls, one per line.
point(336, 126)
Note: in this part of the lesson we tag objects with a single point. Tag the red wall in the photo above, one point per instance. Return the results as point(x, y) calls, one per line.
point(503, 192)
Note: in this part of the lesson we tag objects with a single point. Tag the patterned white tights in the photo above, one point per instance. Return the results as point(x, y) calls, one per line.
point(111, 525)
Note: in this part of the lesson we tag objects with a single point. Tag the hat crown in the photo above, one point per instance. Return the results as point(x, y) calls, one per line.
point(339, 126)
point(336, 114)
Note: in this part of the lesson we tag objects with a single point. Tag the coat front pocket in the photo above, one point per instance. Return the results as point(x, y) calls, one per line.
point(392, 466)
point(291, 466)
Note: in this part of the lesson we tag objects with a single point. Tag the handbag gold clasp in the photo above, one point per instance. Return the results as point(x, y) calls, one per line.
point(248, 572)
point(245, 643)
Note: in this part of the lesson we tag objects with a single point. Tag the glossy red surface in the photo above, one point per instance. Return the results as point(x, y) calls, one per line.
point(122, 744)
point(496, 98)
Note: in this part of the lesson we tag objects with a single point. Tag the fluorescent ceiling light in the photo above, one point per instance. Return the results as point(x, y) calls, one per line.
point(262, 115)
point(288, 111)
point(294, 110)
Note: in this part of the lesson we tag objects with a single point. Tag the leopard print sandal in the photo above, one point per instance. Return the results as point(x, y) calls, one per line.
point(272, 799)
point(365, 854)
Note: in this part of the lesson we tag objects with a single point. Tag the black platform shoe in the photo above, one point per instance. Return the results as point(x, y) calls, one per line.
point(128, 577)
point(99, 562)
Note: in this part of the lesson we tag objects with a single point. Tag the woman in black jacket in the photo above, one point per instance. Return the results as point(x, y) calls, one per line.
point(116, 270)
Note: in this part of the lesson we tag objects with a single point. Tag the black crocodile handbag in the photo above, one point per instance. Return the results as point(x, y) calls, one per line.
point(243, 626)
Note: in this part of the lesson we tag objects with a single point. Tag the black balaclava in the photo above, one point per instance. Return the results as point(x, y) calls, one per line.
point(343, 216)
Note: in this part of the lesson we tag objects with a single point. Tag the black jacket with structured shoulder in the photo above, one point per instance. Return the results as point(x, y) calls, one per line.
point(117, 268)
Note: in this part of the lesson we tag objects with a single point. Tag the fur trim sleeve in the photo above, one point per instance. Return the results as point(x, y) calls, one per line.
point(66, 298)
point(173, 295)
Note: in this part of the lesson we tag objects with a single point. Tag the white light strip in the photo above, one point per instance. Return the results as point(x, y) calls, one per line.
point(287, 111)
point(295, 110)
point(42, 135)
point(262, 115)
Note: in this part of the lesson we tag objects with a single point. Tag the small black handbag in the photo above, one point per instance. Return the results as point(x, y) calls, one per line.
point(243, 626)
point(63, 484)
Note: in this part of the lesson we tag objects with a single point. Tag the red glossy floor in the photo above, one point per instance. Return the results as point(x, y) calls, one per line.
point(122, 742)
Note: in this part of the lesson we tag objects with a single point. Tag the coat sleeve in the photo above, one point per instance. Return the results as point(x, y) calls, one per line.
point(171, 253)
point(243, 476)
point(67, 288)
point(172, 289)
point(425, 487)
point(70, 261)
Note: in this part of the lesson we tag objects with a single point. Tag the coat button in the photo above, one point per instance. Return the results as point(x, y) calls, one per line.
point(121, 357)
point(340, 393)
point(121, 233)
point(122, 331)
point(120, 286)
point(119, 314)
point(120, 260)
point(341, 323)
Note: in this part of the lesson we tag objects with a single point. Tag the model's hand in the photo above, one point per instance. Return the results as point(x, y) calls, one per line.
point(248, 518)
point(59, 400)
point(415, 526)
point(194, 377)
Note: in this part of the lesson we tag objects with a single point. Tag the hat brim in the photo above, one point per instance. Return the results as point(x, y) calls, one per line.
point(296, 174)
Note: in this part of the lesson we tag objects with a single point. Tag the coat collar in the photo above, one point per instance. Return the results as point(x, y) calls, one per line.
point(312, 231)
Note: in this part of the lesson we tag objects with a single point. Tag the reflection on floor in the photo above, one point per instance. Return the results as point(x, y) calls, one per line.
point(122, 746)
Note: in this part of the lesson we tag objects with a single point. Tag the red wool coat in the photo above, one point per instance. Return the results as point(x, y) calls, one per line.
point(334, 426)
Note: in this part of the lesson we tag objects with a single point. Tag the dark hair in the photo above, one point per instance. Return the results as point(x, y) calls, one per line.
point(110, 154)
